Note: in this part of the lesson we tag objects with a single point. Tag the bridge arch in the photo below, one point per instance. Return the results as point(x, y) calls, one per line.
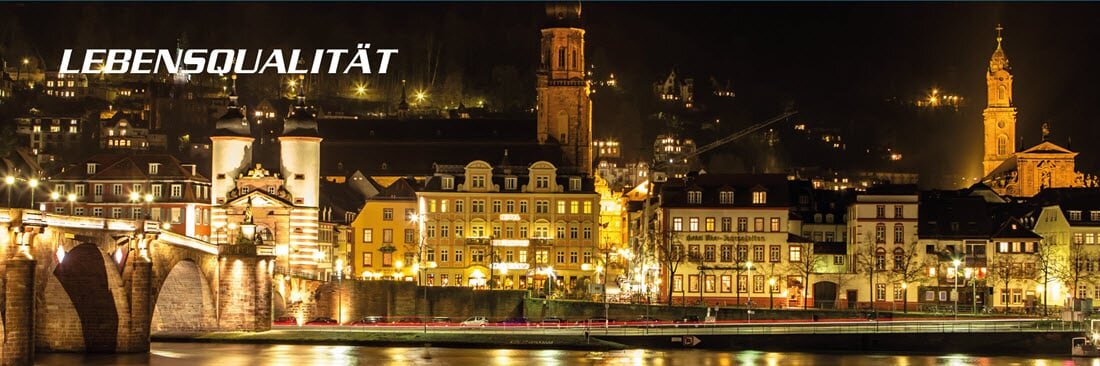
point(184, 301)
point(82, 298)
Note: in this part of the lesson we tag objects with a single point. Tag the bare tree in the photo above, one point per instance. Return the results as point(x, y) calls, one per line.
point(867, 261)
point(773, 272)
point(1076, 268)
point(1003, 270)
point(909, 268)
point(671, 256)
point(809, 264)
point(1049, 265)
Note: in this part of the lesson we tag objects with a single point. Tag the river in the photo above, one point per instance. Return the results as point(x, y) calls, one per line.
point(305, 355)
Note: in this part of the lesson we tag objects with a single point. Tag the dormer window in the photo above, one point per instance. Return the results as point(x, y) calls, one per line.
point(574, 184)
point(542, 182)
point(759, 197)
point(154, 168)
point(1094, 215)
point(695, 197)
point(477, 181)
point(510, 183)
point(1075, 216)
point(725, 197)
point(448, 182)
point(92, 167)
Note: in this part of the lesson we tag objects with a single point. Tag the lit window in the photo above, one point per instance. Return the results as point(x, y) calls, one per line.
point(759, 197)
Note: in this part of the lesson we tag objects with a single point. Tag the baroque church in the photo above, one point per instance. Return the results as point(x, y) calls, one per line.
point(1020, 173)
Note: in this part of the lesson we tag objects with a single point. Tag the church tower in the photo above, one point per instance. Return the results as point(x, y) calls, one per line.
point(1000, 114)
point(301, 154)
point(232, 150)
point(564, 107)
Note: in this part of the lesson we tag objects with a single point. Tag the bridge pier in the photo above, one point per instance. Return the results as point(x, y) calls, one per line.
point(244, 289)
point(19, 309)
point(141, 306)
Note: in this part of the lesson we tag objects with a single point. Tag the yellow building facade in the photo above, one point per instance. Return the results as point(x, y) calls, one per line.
point(386, 239)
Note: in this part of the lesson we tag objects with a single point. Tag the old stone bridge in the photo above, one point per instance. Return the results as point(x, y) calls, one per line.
point(89, 284)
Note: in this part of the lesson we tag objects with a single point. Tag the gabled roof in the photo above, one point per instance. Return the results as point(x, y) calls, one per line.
point(117, 166)
point(259, 198)
point(1047, 147)
point(674, 193)
point(1012, 229)
point(400, 189)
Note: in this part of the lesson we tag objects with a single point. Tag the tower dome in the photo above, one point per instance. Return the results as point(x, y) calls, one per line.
point(301, 121)
point(233, 122)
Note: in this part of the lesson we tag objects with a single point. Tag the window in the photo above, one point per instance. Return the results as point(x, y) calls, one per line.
point(899, 211)
point(727, 224)
point(116, 212)
point(561, 207)
point(587, 232)
point(708, 253)
point(542, 182)
point(693, 224)
point(477, 206)
point(387, 235)
point(773, 253)
point(695, 197)
point(838, 260)
point(880, 259)
point(758, 224)
point(368, 259)
point(759, 198)
point(510, 206)
point(727, 253)
point(880, 292)
point(561, 231)
point(477, 181)
point(154, 168)
point(725, 197)
point(693, 283)
point(1002, 144)
point(708, 225)
point(448, 182)
point(899, 234)
point(587, 207)
point(742, 224)
point(443, 255)
point(540, 207)
point(573, 256)
point(523, 206)
point(510, 183)
point(458, 255)
point(758, 253)
point(880, 233)
point(135, 214)
point(574, 207)
point(459, 206)
point(460, 230)
point(496, 206)
point(743, 283)
point(574, 184)
point(157, 190)
point(98, 212)
point(79, 211)
point(177, 191)
point(774, 225)
point(561, 57)
point(758, 283)
point(561, 256)
point(443, 206)
point(368, 235)
point(410, 236)
point(79, 190)
point(387, 214)
point(795, 254)
point(880, 211)
point(97, 190)
point(678, 283)
point(677, 224)
point(1075, 216)
point(708, 283)
point(116, 189)
point(742, 253)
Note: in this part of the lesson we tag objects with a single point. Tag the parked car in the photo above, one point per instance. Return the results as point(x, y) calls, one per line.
point(322, 321)
point(646, 319)
point(286, 320)
point(689, 319)
point(553, 320)
point(515, 321)
point(475, 321)
point(409, 320)
point(440, 320)
point(368, 320)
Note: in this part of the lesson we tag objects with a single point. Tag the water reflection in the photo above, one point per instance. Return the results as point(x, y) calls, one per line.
point(305, 355)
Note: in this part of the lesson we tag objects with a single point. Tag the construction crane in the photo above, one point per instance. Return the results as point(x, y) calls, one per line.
point(660, 176)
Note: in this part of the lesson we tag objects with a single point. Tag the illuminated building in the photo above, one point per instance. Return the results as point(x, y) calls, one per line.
point(564, 104)
point(882, 227)
point(386, 239)
point(284, 205)
point(727, 235)
point(676, 90)
point(50, 134)
point(120, 131)
point(541, 222)
point(137, 186)
point(65, 85)
point(674, 154)
point(1020, 173)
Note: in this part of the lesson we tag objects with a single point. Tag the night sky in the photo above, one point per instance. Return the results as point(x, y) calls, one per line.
point(830, 60)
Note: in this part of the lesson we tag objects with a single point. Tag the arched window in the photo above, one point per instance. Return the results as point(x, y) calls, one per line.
point(880, 233)
point(880, 259)
point(574, 54)
point(899, 234)
point(1002, 145)
point(899, 258)
point(1001, 92)
point(561, 57)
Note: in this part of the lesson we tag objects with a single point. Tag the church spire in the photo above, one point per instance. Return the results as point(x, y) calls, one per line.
point(998, 61)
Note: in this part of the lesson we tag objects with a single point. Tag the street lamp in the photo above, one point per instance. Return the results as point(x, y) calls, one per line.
point(148, 208)
point(955, 290)
point(33, 183)
point(771, 293)
point(72, 199)
point(9, 181)
point(748, 313)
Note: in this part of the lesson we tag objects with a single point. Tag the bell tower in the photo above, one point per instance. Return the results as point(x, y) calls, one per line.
point(564, 107)
point(1000, 114)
